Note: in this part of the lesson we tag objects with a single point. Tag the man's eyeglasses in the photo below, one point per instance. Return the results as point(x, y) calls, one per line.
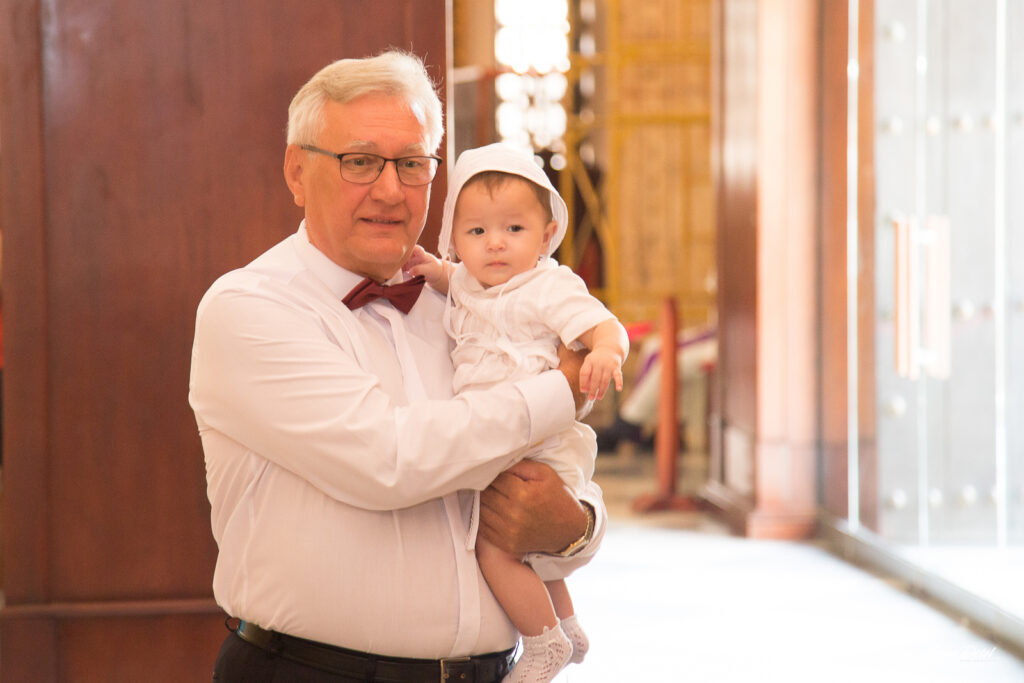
point(362, 168)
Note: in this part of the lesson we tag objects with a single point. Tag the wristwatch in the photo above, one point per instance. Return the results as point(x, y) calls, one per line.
point(583, 540)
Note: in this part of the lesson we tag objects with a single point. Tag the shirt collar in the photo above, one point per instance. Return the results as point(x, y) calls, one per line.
point(339, 280)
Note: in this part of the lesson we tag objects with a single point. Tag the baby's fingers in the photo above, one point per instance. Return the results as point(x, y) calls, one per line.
point(586, 373)
point(595, 382)
point(601, 378)
point(415, 259)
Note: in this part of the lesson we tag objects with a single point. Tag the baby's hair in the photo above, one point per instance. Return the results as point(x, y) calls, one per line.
point(492, 180)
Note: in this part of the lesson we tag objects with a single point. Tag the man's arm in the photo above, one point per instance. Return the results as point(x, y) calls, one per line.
point(357, 444)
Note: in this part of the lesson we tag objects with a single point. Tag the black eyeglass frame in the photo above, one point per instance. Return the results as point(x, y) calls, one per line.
point(341, 159)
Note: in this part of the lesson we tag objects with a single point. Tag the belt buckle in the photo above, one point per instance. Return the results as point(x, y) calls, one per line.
point(450, 669)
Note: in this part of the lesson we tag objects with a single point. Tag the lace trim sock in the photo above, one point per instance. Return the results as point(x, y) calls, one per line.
point(543, 657)
point(574, 632)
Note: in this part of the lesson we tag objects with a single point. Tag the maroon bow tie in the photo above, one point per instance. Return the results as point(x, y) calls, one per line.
point(402, 296)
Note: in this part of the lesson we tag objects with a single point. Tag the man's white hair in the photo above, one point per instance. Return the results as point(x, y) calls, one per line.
point(390, 73)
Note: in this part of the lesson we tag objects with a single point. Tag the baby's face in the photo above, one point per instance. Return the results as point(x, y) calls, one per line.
point(501, 234)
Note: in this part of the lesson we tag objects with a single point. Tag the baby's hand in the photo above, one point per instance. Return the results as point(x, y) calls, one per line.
point(599, 367)
point(429, 266)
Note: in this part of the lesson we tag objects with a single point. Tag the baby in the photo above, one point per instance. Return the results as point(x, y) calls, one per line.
point(509, 307)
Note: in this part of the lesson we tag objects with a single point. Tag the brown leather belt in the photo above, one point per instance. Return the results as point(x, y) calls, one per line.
point(369, 667)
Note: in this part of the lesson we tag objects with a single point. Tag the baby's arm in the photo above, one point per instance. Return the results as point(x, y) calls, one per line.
point(608, 346)
point(429, 266)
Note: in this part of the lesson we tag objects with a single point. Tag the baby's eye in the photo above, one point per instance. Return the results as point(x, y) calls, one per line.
point(475, 231)
point(515, 228)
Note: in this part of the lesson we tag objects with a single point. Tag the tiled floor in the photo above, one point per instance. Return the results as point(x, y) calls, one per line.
point(674, 597)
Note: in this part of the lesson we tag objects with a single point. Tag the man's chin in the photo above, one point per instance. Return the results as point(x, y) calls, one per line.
point(385, 258)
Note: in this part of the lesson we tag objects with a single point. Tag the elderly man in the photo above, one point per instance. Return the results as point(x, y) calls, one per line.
point(340, 467)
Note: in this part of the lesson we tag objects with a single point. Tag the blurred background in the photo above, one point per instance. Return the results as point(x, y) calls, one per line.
point(816, 204)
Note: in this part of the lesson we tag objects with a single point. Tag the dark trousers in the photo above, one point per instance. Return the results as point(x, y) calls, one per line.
point(242, 662)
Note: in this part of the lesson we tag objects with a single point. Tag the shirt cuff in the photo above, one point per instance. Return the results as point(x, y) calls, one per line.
point(593, 495)
point(549, 402)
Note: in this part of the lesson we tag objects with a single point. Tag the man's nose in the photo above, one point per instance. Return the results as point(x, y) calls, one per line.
point(387, 186)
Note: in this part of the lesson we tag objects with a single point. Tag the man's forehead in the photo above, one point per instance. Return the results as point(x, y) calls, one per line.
point(373, 146)
point(375, 122)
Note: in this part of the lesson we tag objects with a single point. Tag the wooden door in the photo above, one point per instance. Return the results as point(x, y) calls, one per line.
point(141, 148)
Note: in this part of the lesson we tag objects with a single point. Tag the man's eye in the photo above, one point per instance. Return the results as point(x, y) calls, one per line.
point(413, 163)
point(359, 161)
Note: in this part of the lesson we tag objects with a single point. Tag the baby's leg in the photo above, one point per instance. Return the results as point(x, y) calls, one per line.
point(560, 598)
point(559, 593)
point(518, 589)
point(524, 597)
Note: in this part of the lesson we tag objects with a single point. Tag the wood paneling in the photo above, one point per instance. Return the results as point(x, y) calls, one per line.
point(737, 211)
point(782, 184)
point(867, 391)
point(142, 146)
point(764, 473)
point(834, 324)
point(834, 105)
point(25, 389)
point(94, 650)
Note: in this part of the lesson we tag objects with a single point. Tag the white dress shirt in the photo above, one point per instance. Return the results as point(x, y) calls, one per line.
point(340, 467)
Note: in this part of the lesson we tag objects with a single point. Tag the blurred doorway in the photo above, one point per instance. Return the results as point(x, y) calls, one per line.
point(941, 447)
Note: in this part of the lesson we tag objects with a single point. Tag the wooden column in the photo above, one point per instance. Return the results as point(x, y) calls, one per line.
point(767, 72)
point(666, 438)
point(142, 145)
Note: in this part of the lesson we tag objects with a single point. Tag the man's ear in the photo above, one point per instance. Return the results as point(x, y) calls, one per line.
point(295, 160)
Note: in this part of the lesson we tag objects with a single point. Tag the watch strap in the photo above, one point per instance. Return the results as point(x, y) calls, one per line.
point(581, 542)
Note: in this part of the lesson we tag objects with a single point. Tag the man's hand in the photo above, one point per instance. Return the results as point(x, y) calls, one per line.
point(528, 509)
point(570, 363)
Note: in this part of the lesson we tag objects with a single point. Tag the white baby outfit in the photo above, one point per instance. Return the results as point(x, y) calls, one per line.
point(510, 331)
point(513, 330)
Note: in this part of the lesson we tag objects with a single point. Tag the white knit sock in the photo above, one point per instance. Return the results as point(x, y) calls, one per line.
point(543, 657)
point(574, 632)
